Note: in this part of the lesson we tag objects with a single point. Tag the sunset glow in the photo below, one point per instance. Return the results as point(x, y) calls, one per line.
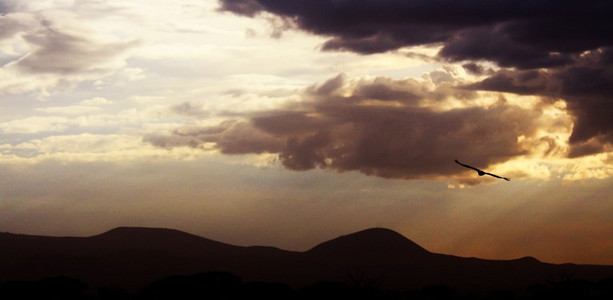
point(266, 123)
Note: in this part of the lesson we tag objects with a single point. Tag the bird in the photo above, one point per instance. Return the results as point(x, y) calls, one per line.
point(480, 172)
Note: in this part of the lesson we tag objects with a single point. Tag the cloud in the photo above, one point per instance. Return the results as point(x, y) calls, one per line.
point(63, 53)
point(42, 50)
point(382, 127)
point(84, 107)
point(587, 88)
point(34, 124)
point(190, 109)
point(67, 148)
point(46, 44)
point(95, 101)
point(557, 49)
point(519, 33)
point(14, 23)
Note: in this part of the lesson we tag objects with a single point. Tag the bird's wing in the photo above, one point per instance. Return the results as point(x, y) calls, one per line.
point(494, 175)
point(467, 166)
point(507, 179)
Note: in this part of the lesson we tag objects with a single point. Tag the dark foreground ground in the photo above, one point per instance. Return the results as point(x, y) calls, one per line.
point(223, 285)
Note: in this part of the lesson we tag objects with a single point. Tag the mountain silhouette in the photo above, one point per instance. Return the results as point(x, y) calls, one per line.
point(131, 257)
point(158, 239)
point(369, 242)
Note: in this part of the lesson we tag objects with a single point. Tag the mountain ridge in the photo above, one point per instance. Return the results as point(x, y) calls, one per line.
point(376, 237)
point(135, 256)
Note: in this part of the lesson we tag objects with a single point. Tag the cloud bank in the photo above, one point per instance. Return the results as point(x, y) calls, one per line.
point(414, 127)
point(384, 127)
point(559, 49)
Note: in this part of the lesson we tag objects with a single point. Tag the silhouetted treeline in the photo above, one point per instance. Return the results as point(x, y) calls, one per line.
point(46, 288)
point(223, 285)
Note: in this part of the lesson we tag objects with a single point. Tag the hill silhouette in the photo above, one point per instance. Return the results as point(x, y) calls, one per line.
point(131, 257)
point(370, 242)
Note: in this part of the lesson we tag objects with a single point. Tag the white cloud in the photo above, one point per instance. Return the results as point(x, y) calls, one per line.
point(87, 106)
point(96, 101)
point(87, 147)
point(69, 110)
point(34, 124)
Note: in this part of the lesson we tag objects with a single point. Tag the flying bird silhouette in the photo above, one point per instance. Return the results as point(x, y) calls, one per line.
point(480, 172)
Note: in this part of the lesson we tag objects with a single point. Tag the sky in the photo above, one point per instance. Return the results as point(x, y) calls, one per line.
point(290, 123)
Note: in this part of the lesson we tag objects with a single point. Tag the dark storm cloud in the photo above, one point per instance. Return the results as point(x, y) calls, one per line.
point(554, 48)
point(377, 127)
point(496, 45)
point(517, 82)
point(525, 34)
point(473, 68)
point(587, 88)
